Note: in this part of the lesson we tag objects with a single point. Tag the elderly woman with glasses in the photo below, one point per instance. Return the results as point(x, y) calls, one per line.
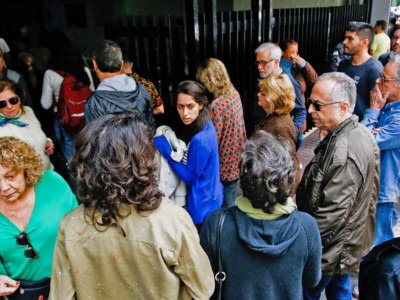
point(277, 98)
point(32, 203)
point(20, 121)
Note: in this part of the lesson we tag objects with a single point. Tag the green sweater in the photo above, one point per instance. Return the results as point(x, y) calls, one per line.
point(54, 199)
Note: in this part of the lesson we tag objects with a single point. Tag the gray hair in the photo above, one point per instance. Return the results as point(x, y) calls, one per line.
point(395, 59)
point(108, 56)
point(274, 51)
point(267, 171)
point(344, 89)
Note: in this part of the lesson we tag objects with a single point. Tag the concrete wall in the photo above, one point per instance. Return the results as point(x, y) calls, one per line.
point(380, 10)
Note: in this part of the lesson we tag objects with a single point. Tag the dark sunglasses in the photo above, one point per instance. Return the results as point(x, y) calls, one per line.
point(13, 100)
point(317, 105)
point(23, 240)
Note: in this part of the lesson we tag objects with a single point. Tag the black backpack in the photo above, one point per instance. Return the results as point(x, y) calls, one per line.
point(379, 277)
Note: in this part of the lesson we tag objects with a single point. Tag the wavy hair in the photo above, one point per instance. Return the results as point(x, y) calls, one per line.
point(16, 155)
point(213, 75)
point(279, 92)
point(267, 171)
point(114, 166)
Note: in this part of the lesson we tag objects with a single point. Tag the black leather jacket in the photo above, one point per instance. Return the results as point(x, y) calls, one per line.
point(340, 188)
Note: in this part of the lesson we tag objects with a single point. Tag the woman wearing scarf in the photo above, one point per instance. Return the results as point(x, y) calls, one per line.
point(201, 173)
point(269, 250)
point(19, 121)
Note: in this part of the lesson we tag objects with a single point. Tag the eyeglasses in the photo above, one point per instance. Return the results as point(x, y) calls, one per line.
point(23, 240)
point(263, 63)
point(318, 106)
point(384, 78)
point(13, 100)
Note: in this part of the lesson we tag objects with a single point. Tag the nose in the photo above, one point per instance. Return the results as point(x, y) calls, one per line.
point(185, 111)
point(311, 108)
point(379, 80)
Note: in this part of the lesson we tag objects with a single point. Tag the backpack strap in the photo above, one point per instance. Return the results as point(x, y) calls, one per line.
point(220, 276)
point(61, 73)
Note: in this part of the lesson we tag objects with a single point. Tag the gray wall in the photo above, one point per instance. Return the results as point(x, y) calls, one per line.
point(380, 10)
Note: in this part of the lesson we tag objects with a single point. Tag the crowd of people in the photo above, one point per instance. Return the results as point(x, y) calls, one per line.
point(208, 206)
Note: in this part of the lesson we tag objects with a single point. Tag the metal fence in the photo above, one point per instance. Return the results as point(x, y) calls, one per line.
point(167, 50)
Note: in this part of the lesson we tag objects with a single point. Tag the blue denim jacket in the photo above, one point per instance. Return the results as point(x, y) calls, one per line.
point(388, 140)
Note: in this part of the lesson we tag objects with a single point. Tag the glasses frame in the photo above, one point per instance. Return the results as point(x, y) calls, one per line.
point(22, 241)
point(317, 106)
point(263, 63)
point(384, 78)
point(13, 101)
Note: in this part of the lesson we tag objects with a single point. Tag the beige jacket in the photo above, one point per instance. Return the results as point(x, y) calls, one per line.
point(160, 258)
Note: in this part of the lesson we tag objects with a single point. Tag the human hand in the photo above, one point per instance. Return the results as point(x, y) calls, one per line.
point(377, 100)
point(297, 59)
point(49, 148)
point(7, 285)
point(322, 134)
point(376, 130)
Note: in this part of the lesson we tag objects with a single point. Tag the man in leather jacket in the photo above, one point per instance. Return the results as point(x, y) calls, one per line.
point(340, 185)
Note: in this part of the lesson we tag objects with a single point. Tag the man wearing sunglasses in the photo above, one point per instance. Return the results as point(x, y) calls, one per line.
point(340, 185)
point(383, 119)
point(268, 56)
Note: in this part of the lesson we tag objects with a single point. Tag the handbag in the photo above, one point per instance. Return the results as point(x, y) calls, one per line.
point(28, 289)
point(220, 276)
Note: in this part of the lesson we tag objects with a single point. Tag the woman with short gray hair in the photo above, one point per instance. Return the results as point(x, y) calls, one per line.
point(278, 247)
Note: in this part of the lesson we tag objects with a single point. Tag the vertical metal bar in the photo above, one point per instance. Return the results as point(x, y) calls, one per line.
point(256, 9)
point(269, 20)
point(210, 9)
point(192, 34)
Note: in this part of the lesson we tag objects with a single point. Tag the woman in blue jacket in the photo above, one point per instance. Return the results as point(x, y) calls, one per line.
point(201, 172)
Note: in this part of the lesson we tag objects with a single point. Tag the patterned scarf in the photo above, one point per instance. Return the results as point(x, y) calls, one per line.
point(4, 121)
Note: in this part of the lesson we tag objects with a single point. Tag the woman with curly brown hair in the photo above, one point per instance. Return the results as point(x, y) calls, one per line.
point(32, 203)
point(125, 241)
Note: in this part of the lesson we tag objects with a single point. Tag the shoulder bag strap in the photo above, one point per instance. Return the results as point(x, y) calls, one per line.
point(220, 276)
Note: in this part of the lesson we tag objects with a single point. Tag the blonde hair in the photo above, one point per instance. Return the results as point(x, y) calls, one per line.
point(16, 155)
point(279, 91)
point(213, 75)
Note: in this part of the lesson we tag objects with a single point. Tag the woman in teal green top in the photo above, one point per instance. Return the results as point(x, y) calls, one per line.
point(32, 203)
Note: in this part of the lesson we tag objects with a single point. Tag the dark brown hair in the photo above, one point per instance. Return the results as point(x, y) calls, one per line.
point(114, 166)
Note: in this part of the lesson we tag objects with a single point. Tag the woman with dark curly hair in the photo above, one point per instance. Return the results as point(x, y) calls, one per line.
point(32, 203)
point(269, 250)
point(201, 171)
point(125, 241)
